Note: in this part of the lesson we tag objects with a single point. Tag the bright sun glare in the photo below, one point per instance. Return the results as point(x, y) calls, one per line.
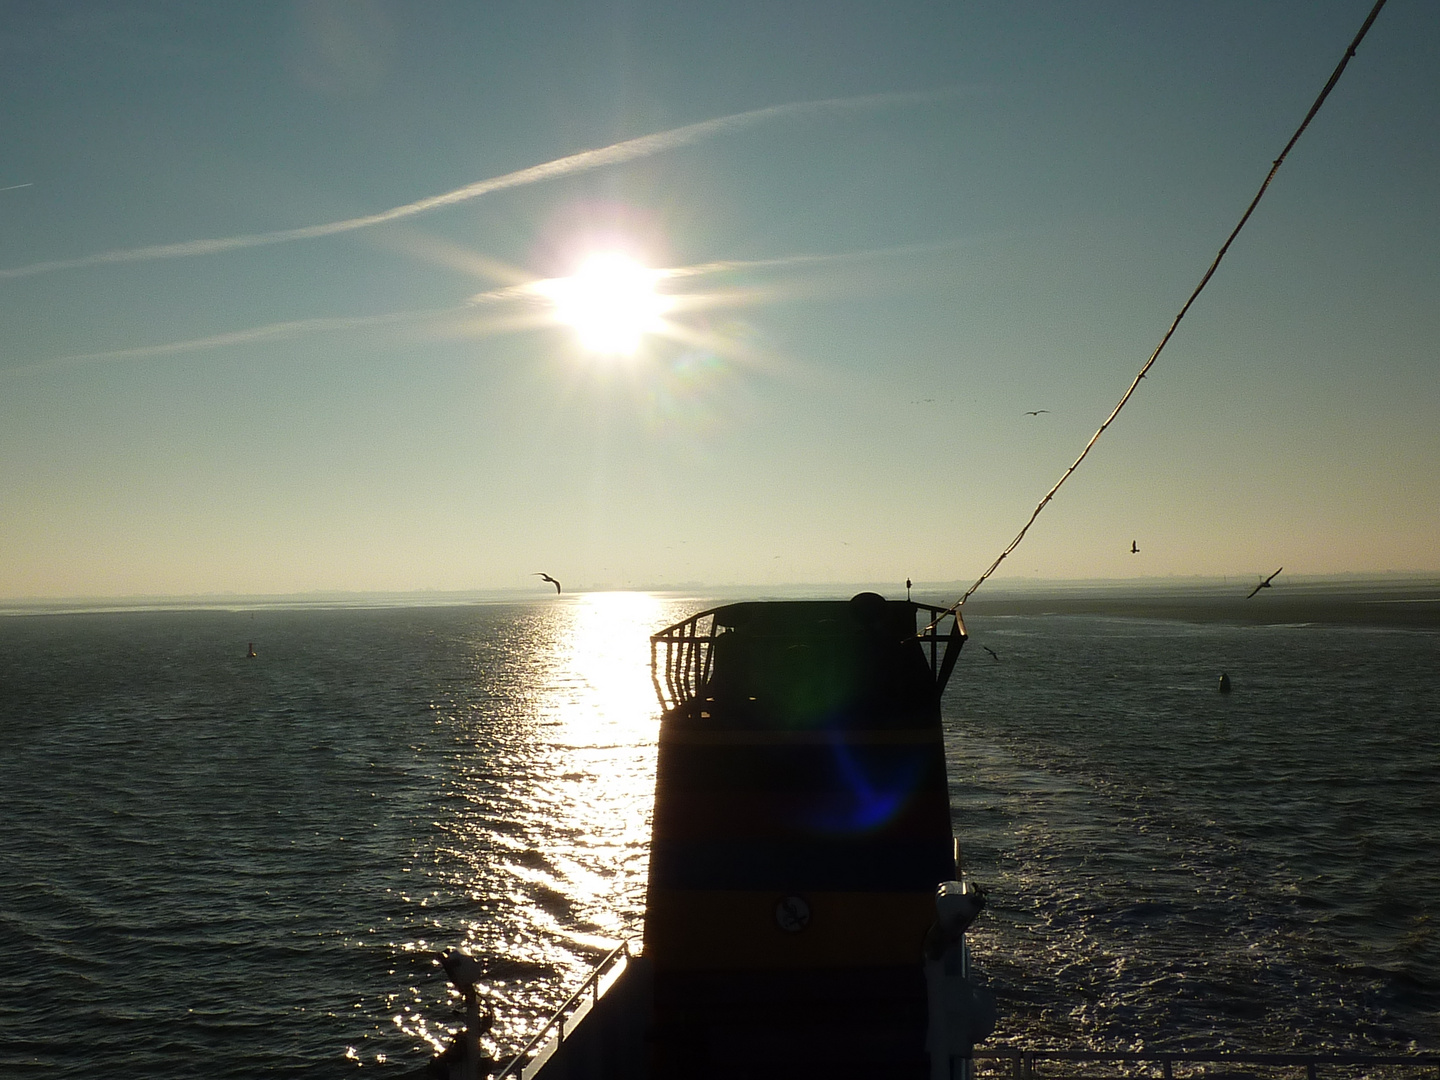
point(611, 302)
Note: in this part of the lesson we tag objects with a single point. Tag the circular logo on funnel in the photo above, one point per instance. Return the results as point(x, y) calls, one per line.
point(792, 914)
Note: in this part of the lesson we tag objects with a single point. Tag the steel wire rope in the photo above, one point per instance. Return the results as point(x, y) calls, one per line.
point(1165, 340)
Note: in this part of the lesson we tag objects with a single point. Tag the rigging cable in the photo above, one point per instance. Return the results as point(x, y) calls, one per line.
point(1275, 166)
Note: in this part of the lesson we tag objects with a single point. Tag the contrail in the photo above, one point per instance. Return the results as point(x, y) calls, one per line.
point(585, 161)
point(269, 332)
point(284, 330)
point(526, 293)
point(17, 187)
point(534, 291)
point(789, 262)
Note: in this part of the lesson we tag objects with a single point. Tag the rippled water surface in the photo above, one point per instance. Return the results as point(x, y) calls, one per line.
point(1173, 867)
point(251, 863)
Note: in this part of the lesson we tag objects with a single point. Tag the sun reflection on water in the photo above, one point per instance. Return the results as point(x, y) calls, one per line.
point(603, 692)
point(543, 852)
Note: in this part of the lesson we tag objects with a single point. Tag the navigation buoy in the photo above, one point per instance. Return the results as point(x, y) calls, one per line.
point(1224, 683)
point(250, 651)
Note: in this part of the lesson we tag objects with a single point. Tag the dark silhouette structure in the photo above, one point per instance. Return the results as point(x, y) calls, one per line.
point(802, 824)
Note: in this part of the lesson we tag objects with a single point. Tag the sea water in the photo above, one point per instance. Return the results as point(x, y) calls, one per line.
point(231, 864)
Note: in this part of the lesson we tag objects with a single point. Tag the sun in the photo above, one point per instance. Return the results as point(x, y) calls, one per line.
point(611, 302)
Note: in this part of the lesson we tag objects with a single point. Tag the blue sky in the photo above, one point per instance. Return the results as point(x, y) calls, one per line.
point(1007, 223)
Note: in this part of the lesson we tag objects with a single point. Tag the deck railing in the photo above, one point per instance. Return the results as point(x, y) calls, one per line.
point(1071, 1065)
point(943, 626)
point(533, 1053)
point(688, 661)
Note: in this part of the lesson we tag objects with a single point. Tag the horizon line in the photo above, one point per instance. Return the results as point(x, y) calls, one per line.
point(440, 597)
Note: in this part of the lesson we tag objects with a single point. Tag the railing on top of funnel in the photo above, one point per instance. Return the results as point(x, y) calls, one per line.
point(689, 651)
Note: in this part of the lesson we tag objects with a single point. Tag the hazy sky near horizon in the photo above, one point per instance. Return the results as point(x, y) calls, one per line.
point(999, 210)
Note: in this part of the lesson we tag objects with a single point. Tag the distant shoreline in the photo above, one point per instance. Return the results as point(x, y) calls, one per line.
point(1400, 601)
point(1411, 606)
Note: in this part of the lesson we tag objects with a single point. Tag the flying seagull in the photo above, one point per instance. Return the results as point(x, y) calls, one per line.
point(990, 651)
point(548, 578)
point(1134, 548)
point(1264, 584)
point(1035, 412)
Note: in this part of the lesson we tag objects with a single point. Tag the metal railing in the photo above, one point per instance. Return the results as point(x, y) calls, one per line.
point(689, 655)
point(933, 632)
point(615, 962)
point(689, 659)
point(1025, 1064)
